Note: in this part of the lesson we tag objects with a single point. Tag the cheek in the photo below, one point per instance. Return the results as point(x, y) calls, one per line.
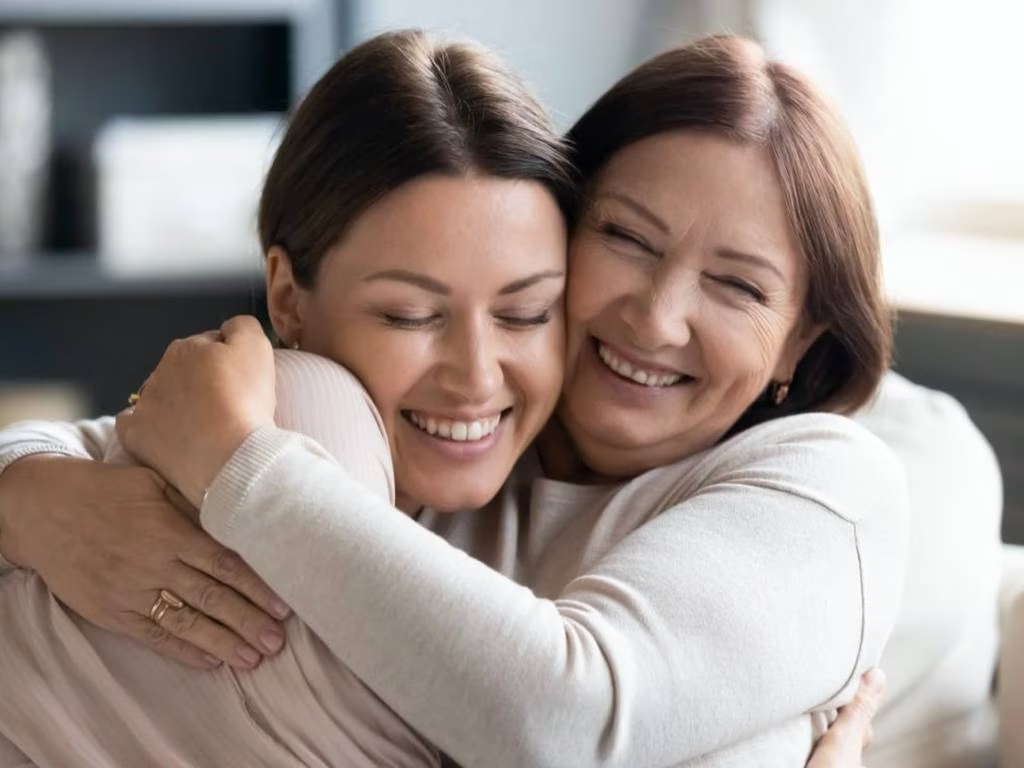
point(595, 281)
point(744, 346)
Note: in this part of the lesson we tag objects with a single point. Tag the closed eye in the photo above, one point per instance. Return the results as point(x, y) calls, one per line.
point(526, 322)
point(408, 322)
point(742, 286)
point(615, 232)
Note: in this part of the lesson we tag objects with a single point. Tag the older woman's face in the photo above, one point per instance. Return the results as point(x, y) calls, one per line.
point(685, 300)
point(446, 300)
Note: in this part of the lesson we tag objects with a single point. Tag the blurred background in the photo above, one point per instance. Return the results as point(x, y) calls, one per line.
point(134, 135)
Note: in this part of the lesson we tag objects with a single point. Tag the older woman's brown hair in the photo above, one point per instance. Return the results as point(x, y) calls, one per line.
point(400, 106)
point(725, 84)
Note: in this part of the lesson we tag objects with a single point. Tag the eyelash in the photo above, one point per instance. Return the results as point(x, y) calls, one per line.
point(743, 286)
point(615, 231)
point(516, 323)
point(408, 323)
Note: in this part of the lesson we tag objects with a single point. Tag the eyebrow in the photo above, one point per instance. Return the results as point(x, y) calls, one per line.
point(638, 209)
point(413, 278)
point(750, 258)
point(521, 285)
point(436, 286)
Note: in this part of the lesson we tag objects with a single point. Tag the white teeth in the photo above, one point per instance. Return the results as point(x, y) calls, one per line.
point(640, 376)
point(460, 431)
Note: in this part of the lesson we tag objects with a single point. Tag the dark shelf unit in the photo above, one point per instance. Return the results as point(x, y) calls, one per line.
point(62, 317)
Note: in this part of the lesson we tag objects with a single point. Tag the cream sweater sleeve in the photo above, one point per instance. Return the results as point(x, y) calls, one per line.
point(758, 597)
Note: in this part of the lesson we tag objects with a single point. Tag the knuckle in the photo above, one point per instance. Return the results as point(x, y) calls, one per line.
point(226, 565)
point(182, 621)
point(155, 635)
point(211, 597)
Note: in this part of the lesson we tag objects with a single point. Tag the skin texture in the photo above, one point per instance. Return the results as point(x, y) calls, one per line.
point(659, 281)
point(445, 300)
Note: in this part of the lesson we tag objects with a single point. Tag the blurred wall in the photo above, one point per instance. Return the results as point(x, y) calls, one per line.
point(569, 51)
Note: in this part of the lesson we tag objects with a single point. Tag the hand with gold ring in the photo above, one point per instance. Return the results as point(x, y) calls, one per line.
point(110, 541)
point(165, 601)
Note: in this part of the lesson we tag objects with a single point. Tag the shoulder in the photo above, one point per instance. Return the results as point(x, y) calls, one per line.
point(311, 387)
point(821, 457)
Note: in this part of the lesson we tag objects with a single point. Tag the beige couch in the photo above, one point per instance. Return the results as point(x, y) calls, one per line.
point(963, 601)
point(1010, 684)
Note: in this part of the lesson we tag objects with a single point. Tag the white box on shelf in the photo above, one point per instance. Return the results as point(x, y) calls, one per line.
point(179, 195)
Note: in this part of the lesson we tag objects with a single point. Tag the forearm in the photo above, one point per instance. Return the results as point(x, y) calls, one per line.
point(82, 439)
point(607, 674)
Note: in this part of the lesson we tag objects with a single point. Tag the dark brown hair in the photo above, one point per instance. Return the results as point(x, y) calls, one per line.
point(396, 107)
point(724, 84)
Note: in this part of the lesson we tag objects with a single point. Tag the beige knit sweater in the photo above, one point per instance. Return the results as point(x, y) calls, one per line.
point(695, 614)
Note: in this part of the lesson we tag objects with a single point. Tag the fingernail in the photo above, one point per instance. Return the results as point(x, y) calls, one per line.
point(213, 661)
point(280, 608)
point(271, 641)
point(249, 655)
point(874, 678)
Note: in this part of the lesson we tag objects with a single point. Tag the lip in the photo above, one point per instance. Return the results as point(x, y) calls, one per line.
point(624, 389)
point(454, 449)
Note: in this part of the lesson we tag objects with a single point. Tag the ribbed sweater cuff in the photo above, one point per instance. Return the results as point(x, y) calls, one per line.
point(224, 499)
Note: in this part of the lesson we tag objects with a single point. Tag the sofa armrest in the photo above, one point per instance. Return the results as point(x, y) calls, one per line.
point(1012, 584)
point(1011, 658)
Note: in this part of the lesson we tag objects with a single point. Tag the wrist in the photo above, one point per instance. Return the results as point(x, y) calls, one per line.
point(15, 509)
point(206, 472)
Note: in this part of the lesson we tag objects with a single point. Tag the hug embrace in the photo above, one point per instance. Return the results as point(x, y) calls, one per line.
point(555, 465)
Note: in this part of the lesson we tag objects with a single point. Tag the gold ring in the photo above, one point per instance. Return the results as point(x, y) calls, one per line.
point(164, 602)
point(133, 398)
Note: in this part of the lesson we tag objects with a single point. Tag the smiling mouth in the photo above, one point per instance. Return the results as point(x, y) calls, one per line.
point(635, 374)
point(456, 430)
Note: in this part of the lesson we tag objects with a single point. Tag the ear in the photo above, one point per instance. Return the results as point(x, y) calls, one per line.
point(801, 338)
point(286, 299)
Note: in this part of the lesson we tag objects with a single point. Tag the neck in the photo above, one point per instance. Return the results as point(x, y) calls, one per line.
point(406, 504)
point(559, 458)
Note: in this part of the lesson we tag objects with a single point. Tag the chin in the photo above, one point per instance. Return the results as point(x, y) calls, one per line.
point(456, 498)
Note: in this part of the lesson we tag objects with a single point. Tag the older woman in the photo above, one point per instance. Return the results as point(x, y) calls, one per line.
point(713, 557)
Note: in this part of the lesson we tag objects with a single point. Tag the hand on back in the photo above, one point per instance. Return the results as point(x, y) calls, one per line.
point(106, 539)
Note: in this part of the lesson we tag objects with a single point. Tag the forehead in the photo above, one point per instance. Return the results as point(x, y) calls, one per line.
point(455, 228)
point(704, 181)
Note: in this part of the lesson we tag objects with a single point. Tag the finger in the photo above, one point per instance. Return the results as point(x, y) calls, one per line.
point(223, 595)
point(242, 329)
point(163, 642)
point(206, 337)
point(230, 569)
point(867, 701)
point(197, 630)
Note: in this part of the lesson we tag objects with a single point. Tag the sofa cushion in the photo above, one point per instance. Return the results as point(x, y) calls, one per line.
point(941, 657)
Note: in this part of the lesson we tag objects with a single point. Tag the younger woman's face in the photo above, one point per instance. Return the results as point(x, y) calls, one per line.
point(685, 302)
point(445, 299)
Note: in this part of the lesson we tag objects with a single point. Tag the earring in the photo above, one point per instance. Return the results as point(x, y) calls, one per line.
point(780, 391)
point(295, 345)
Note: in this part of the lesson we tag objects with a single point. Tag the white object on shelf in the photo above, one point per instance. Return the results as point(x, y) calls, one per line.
point(179, 195)
point(48, 400)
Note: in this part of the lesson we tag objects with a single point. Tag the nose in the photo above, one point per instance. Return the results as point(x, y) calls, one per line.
point(470, 370)
point(660, 313)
